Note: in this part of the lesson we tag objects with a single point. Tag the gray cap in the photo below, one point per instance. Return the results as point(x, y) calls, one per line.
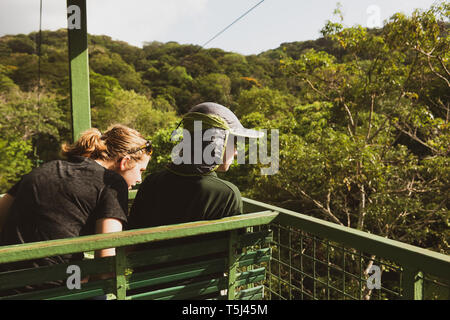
point(236, 128)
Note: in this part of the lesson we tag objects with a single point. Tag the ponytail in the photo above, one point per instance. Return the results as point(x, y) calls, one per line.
point(90, 145)
point(115, 143)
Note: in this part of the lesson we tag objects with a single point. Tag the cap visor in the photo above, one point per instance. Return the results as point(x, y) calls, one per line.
point(250, 133)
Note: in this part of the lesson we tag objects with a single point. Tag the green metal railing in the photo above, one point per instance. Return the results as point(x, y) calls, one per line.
point(311, 258)
point(318, 260)
point(119, 282)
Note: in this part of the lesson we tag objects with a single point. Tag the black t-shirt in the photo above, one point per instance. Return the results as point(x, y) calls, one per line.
point(62, 199)
point(167, 197)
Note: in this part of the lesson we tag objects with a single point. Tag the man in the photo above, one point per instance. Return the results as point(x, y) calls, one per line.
point(189, 189)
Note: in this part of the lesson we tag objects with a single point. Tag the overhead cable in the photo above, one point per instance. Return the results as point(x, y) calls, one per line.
point(227, 27)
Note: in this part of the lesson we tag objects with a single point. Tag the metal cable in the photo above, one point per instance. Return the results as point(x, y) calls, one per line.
point(227, 27)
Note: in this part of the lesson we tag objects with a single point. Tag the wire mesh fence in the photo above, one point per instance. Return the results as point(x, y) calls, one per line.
point(307, 267)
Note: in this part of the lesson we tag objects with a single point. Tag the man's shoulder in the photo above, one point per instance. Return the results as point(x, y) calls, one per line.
point(222, 185)
point(226, 193)
point(160, 174)
point(210, 183)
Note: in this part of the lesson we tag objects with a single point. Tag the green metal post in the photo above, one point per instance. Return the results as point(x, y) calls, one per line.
point(302, 277)
point(314, 268)
point(78, 66)
point(412, 284)
point(232, 265)
point(250, 267)
point(120, 266)
point(290, 264)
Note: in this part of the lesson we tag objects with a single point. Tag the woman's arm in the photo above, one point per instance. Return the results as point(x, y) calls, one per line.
point(5, 203)
point(107, 225)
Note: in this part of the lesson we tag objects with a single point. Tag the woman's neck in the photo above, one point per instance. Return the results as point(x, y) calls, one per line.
point(108, 164)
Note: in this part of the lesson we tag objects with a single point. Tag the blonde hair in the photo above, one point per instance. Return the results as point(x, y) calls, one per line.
point(117, 142)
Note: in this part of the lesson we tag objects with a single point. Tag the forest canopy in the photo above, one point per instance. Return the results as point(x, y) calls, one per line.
point(363, 114)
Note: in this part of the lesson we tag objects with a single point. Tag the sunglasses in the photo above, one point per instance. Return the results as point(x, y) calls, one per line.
point(147, 147)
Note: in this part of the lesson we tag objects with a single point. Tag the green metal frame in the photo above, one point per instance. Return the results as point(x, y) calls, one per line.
point(234, 264)
point(43, 249)
point(316, 259)
point(310, 258)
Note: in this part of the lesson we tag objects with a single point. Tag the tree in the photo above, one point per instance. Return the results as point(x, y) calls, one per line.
point(101, 87)
point(363, 169)
point(113, 65)
point(131, 109)
point(200, 64)
point(21, 43)
point(30, 130)
point(214, 87)
point(14, 162)
point(271, 103)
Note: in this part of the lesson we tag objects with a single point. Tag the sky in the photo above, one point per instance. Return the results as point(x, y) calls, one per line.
point(196, 21)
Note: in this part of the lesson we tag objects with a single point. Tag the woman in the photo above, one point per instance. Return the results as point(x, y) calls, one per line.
point(85, 194)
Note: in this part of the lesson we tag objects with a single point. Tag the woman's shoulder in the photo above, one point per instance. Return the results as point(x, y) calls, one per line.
point(114, 180)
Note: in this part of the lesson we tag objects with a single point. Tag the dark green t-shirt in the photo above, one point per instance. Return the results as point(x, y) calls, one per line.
point(168, 197)
point(171, 197)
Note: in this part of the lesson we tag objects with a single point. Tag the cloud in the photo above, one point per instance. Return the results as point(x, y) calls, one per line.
point(18, 16)
point(139, 21)
point(134, 21)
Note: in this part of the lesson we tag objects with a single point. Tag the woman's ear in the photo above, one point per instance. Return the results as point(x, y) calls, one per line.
point(124, 163)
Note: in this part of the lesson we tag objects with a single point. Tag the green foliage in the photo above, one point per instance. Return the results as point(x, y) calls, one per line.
point(178, 76)
point(131, 109)
point(162, 147)
point(23, 117)
point(214, 87)
point(40, 122)
point(113, 65)
point(271, 103)
point(361, 145)
point(21, 43)
point(101, 87)
point(14, 162)
point(6, 83)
